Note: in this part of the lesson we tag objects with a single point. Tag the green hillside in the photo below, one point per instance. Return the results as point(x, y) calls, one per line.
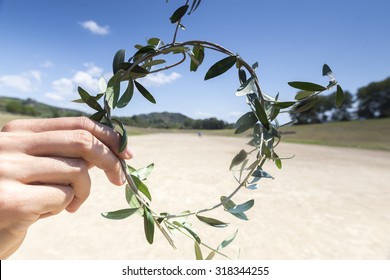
point(30, 107)
point(366, 134)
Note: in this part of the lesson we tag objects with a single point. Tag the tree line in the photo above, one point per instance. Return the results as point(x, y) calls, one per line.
point(371, 101)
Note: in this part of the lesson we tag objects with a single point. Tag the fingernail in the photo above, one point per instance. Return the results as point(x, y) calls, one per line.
point(129, 152)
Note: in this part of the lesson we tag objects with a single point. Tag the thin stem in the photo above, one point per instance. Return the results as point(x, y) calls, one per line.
point(201, 243)
point(170, 66)
point(176, 30)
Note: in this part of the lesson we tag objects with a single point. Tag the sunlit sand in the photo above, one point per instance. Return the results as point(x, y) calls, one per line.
point(326, 203)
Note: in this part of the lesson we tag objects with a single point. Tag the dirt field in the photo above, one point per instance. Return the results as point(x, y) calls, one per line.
point(326, 203)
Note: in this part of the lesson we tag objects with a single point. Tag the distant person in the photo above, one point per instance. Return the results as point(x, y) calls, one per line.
point(44, 167)
point(200, 134)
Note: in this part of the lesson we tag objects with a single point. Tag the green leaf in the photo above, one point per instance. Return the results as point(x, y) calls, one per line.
point(148, 225)
point(123, 134)
point(135, 69)
point(227, 241)
point(260, 173)
point(220, 67)
point(303, 94)
point(306, 104)
point(154, 41)
point(242, 75)
point(89, 100)
point(188, 229)
point(119, 214)
point(145, 93)
point(284, 105)
point(245, 122)
point(252, 186)
point(198, 51)
point(247, 87)
point(198, 252)
point(274, 113)
point(241, 208)
point(243, 165)
point(212, 222)
point(143, 50)
point(118, 58)
point(278, 161)
point(195, 5)
point(307, 86)
point(260, 113)
point(239, 158)
point(153, 63)
point(326, 71)
point(102, 84)
point(113, 89)
point(142, 187)
point(143, 173)
point(127, 95)
point(98, 116)
point(229, 204)
point(210, 256)
point(131, 169)
point(132, 200)
point(339, 96)
point(179, 13)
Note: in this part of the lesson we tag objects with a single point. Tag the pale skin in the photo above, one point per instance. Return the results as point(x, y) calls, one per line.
point(44, 167)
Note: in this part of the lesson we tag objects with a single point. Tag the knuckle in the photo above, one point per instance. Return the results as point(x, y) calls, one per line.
point(76, 166)
point(84, 140)
point(85, 123)
point(10, 126)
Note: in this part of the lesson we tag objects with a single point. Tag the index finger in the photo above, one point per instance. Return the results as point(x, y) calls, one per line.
point(104, 133)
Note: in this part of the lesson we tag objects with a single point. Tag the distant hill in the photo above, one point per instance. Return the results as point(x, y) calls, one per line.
point(173, 120)
point(32, 107)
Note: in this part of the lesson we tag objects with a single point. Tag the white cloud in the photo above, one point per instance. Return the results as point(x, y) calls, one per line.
point(65, 88)
point(25, 82)
point(95, 28)
point(47, 64)
point(159, 79)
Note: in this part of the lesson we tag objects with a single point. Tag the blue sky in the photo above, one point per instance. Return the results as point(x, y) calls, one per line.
point(49, 47)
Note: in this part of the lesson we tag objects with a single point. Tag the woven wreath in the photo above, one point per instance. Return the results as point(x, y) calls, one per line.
point(247, 166)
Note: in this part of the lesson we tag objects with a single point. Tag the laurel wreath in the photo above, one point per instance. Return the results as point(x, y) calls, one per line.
point(247, 166)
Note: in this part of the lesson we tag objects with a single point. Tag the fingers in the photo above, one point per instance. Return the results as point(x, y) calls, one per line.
point(78, 144)
point(28, 203)
point(61, 171)
point(69, 172)
point(105, 134)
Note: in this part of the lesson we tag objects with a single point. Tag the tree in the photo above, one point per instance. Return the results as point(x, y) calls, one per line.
point(374, 100)
point(316, 114)
point(344, 112)
point(324, 110)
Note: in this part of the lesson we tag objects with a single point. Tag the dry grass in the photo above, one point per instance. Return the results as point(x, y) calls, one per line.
point(367, 134)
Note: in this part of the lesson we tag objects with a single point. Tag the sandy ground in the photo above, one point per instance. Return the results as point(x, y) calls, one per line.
point(326, 203)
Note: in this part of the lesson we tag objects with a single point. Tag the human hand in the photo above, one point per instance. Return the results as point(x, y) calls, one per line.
point(44, 167)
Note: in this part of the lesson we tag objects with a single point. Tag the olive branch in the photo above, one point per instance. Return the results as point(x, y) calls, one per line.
point(246, 166)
